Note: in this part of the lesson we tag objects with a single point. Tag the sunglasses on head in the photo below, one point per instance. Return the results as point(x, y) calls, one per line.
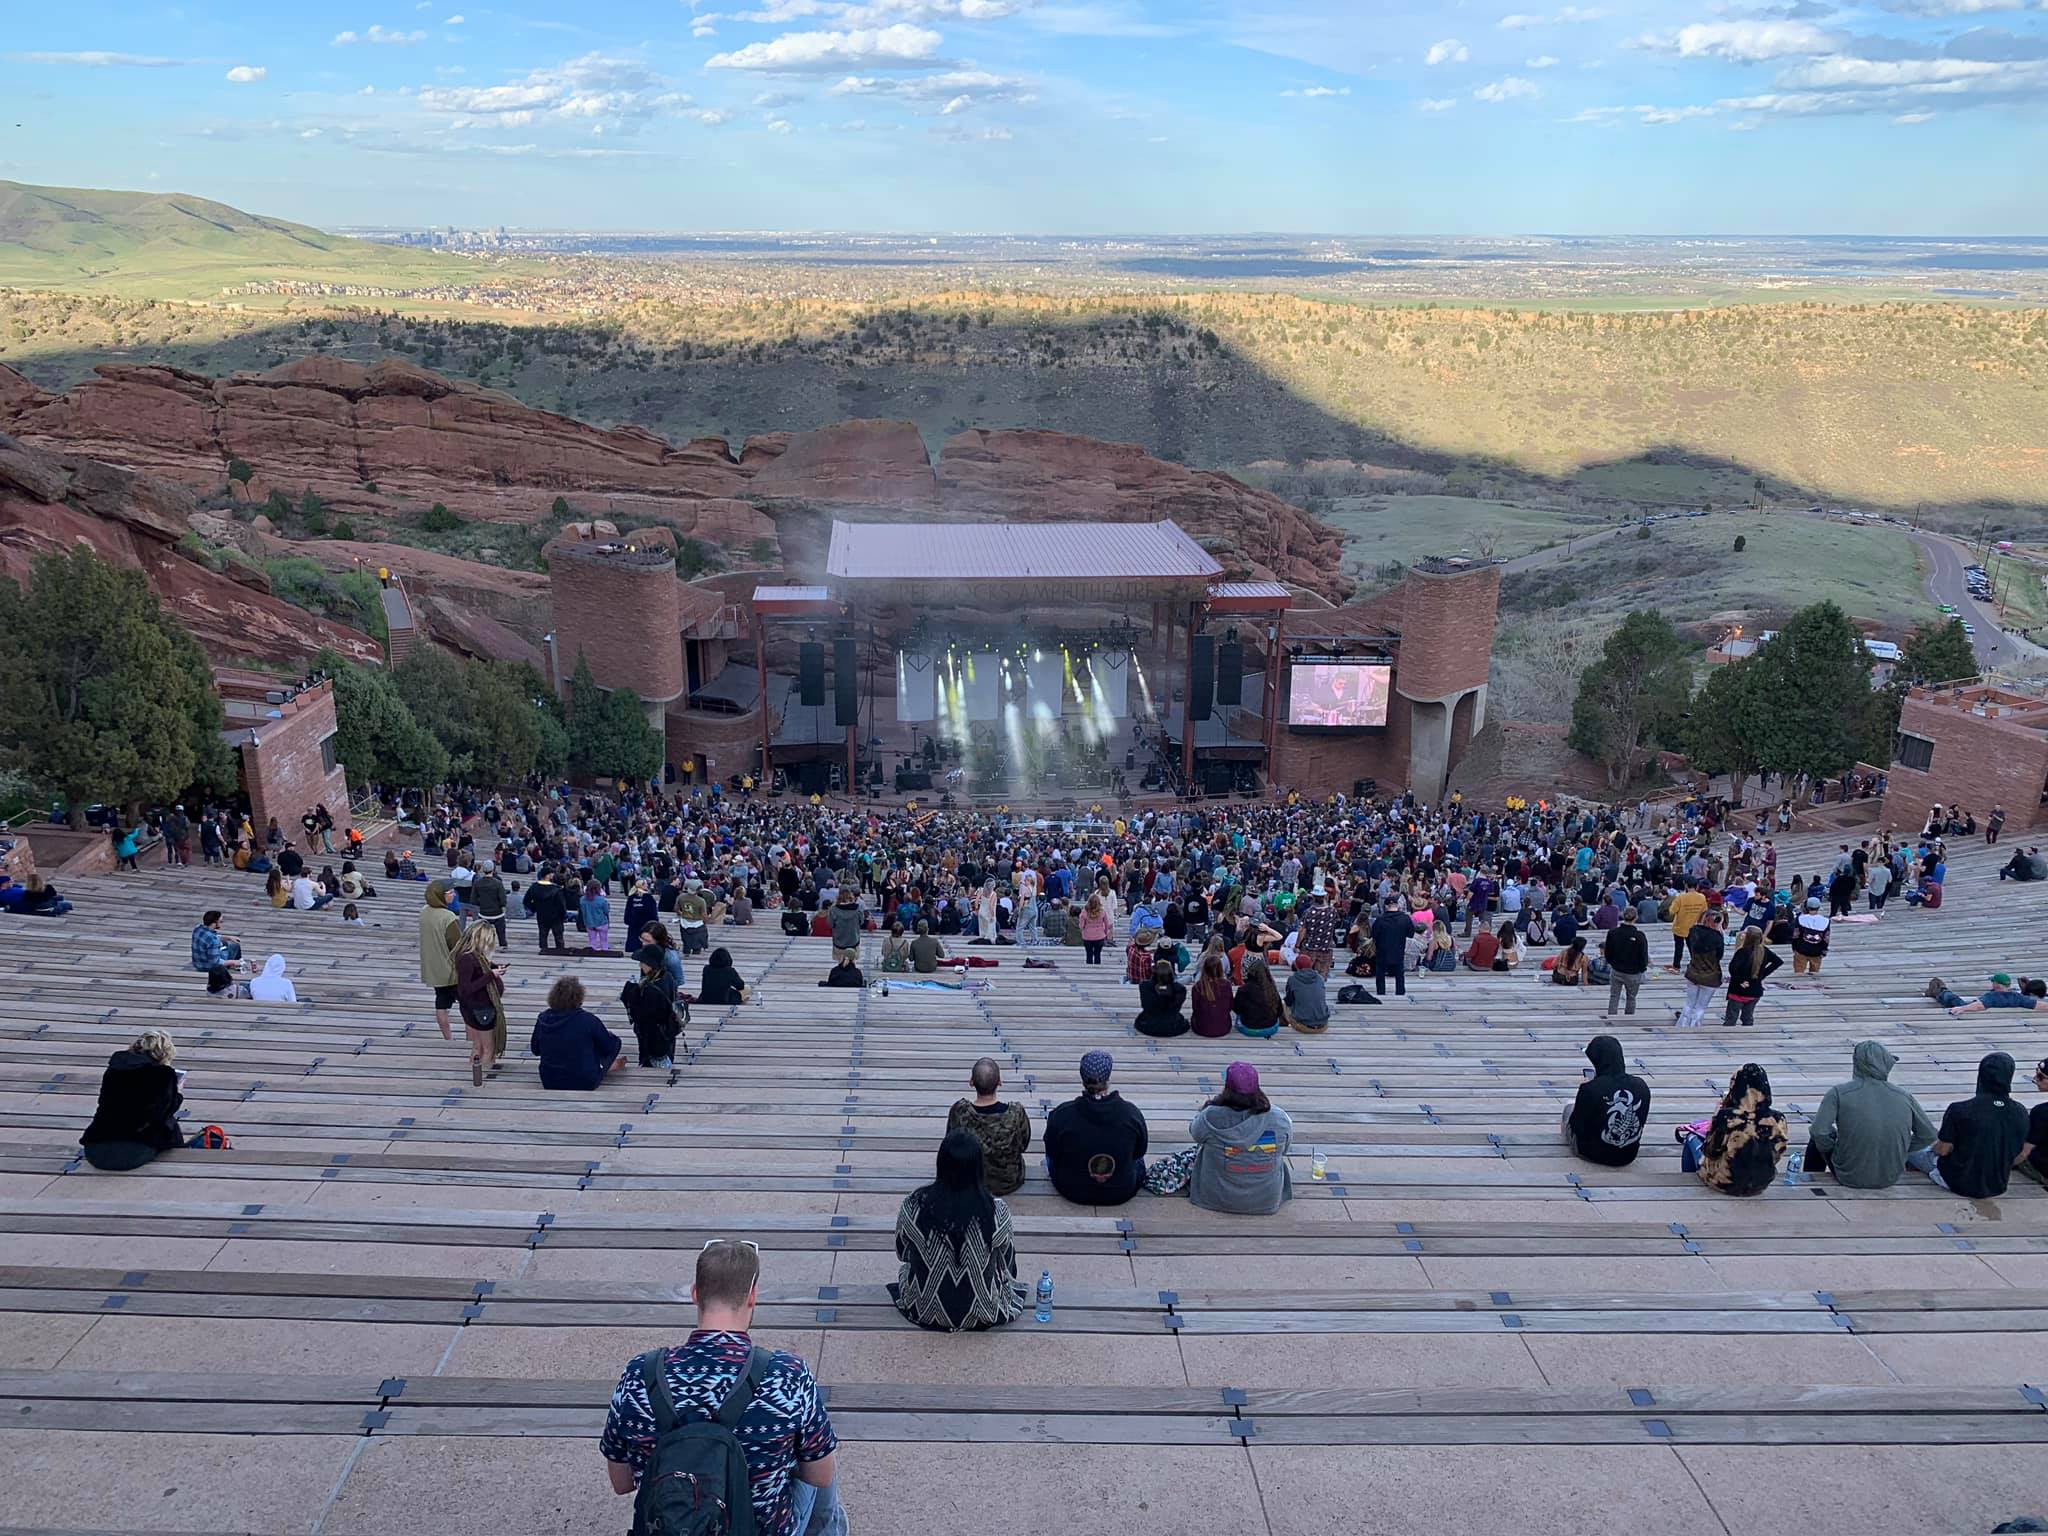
point(717, 1240)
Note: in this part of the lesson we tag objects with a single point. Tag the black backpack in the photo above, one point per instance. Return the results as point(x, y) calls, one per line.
point(696, 1481)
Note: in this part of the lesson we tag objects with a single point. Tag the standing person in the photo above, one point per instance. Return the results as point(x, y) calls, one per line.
point(1095, 929)
point(649, 999)
point(766, 1400)
point(549, 904)
point(1318, 939)
point(691, 910)
point(1748, 969)
point(1391, 930)
point(1981, 1137)
point(1877, 884)
point(1869, 1130)
point(1740, 1151)
point(957, 1251)
point(439, 929)
point(177, 831)
point(596, 911)
point(487, 894)
point(1809, 939)
point(1605, 1123)
point(1095, 1144)
point(127, 844)
point(1994, 825)
point(137, 1114)
point(574, 1047)
point(845, 922)
point(1004, 1130)
point(1685, 908)
point(480, 998)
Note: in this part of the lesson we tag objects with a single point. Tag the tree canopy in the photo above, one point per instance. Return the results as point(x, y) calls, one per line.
point(1720, 734)
point(1814, 710)
point(1636, 691)
point(1936, 652)
point(376, 735)
point(608, 733)
point(104, 697)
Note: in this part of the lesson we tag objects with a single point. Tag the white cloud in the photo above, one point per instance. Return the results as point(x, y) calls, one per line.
point(1655, 116)
point(368, 90)
point(379, 35)
point(1319, 92)
point(456, 21)
point(309, 133)
point(93, 58)
point(1437, 103)
point(767, 101)
point(1571, 15)
point(1914, 119)
point(1507, 88)
point(703, 29)
point(901, 46)
point(1518, 21)
point(1747, 42)
point(1953, 7)
point(1541, 61)
point(1841, 72)
point(780, 125)
point(977, 85)
point(1449, 51)
point(1666, 115)
point(595, 87)
point(247, 74)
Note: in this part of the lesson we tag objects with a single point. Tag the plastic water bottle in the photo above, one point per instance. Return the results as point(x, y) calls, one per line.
point(1045, 1297)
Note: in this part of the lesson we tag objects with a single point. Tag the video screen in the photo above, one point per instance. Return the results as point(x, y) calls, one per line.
point(1339, 694)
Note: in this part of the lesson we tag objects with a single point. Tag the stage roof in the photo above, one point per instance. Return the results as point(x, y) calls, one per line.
point(1089, 561)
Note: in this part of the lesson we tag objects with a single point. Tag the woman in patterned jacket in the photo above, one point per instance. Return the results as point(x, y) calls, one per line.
point(959, 1258)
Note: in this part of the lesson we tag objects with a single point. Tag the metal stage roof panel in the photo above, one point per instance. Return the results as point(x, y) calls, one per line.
point(1158, 557)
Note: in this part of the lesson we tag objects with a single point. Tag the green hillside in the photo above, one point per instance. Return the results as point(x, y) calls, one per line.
point(171, 245)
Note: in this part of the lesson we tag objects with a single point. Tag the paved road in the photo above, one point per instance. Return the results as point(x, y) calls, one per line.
point(1571, 546)
point(1946, 584)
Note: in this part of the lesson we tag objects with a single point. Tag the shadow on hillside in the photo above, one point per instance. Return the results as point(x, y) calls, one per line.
point(1181, 394)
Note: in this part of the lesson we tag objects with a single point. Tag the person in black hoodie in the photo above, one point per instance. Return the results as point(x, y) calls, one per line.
point(574, 1047)
point(549, 905)
point(137, 1114)
point(1607, 1118)
point(653, 1011)
point(1095, 1145)
point(1981, 1137)
point(1160, 998)
point(720, 986)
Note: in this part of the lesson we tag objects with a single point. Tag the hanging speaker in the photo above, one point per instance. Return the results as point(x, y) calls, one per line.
point(810, 674)
point(845, 683)
point(1230, 672)
point(1202, 677)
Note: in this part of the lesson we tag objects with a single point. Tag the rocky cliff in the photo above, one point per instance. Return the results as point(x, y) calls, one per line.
point(381, 444)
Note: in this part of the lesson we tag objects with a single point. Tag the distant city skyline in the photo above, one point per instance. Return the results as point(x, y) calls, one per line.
point(1089, 118)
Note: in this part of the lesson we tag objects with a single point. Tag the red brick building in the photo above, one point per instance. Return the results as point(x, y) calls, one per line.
point(1974, 746)
point(284, 735)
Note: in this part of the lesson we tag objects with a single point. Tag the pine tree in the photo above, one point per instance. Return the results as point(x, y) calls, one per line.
point(1813, 697)
point(1637, 690)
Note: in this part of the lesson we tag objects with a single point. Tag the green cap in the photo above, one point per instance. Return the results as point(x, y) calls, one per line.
point(2000, 979)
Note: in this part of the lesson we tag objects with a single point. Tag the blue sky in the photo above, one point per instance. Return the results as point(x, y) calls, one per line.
point(1062, 116)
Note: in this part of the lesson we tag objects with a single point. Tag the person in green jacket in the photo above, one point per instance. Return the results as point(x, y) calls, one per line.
point(1869, 1129)
point(439, 929)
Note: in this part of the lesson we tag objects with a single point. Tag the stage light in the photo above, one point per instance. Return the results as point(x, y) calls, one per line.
point(1036, 654)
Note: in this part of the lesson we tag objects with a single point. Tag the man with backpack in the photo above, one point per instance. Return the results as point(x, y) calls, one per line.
point(719, 1436)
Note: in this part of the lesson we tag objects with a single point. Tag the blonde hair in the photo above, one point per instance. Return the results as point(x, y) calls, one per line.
point(157, 1044)
point(480, 942)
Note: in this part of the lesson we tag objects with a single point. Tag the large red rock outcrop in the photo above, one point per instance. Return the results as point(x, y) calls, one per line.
point(851, 465)
point(51, 502)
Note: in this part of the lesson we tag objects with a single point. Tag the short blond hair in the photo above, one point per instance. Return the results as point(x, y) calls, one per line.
point(157, 1044)
point(727, 1272)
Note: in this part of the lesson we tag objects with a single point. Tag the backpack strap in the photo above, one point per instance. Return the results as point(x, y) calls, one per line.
point(654, 1376)
point(741, 1397)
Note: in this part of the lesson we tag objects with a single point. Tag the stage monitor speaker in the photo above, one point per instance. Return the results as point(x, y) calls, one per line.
point(845, 683)
point(810, 674)
point(1230, 672)
point(814, 778)
point(1217, 777)
point(1202, 678)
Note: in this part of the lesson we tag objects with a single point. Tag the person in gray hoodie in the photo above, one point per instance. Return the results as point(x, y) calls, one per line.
point(1241, 1144)
point(1869, 1129)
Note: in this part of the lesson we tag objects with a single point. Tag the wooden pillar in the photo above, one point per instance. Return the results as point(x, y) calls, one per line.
point(761, 669)
point(1187, 707)
point(1275, 645)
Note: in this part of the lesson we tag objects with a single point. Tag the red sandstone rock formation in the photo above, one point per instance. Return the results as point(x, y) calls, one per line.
point(50, 502)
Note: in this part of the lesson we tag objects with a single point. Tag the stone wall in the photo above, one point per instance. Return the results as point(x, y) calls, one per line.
point(284, 772)
point(1980, 760)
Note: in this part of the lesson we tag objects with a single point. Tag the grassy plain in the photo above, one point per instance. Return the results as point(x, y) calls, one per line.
point(1383, 530)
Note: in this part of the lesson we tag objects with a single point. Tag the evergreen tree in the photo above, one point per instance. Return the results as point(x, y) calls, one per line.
point(1635, 692)
point(103, 697)
point(608, 734)
point(376, 736)
point(1813, 697)
point(1720, 736)
point(1936, 652)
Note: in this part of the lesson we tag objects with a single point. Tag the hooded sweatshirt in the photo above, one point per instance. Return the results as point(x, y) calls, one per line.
point(1984, 1133)
point(1867, 1126)
point(273, 986)
point(1743, 1146)
point(1611, 1109)
point(136, 1116)
point(574, 1047)
point(1241, 1161)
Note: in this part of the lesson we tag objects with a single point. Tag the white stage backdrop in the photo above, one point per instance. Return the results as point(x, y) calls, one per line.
point(1113, 682)
point(916, 689)
point(980, 694)
point(1048, 674)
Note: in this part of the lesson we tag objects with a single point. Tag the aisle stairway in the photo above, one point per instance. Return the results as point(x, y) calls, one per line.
point(400, 1302)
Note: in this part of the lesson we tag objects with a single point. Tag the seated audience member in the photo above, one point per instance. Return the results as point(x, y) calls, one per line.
point(2034, 1156)
point(1508, 955)
point(40, 899)
point(1238, 1163)
point(1307, 998)
point(137, 1114)
point(1981, 1137)
point(2025, 864)
point(844, 973)
point(1159, 1003)
point(352, 916)
point(1605, 1123)
point(958, 1256)
point(720, 985)
point(272, 985)
point(895, 951)
point(2003, 994)
point(1484, 950)
point(1739, 1153)
point(307, 896)
point(211, 947)
point(1440, 951)
point(1571, 968)
point(1210, 1003)
point(1870, 1130)
point(221, 983)
point(1926, 895)
point(278, 889)
point(1257, 1004)
point(1095, 1144)
point(1004, 1130)
point(781, 1426)
point(574, 1047)
point(353, 886)
point(925, 951)
point(652, 1009)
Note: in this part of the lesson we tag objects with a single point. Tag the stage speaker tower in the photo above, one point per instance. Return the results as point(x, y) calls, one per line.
point(810, 674)
point(845, 683)
point(1202, 678)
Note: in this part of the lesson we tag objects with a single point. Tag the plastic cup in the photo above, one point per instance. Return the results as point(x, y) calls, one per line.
point(1319, 1165)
